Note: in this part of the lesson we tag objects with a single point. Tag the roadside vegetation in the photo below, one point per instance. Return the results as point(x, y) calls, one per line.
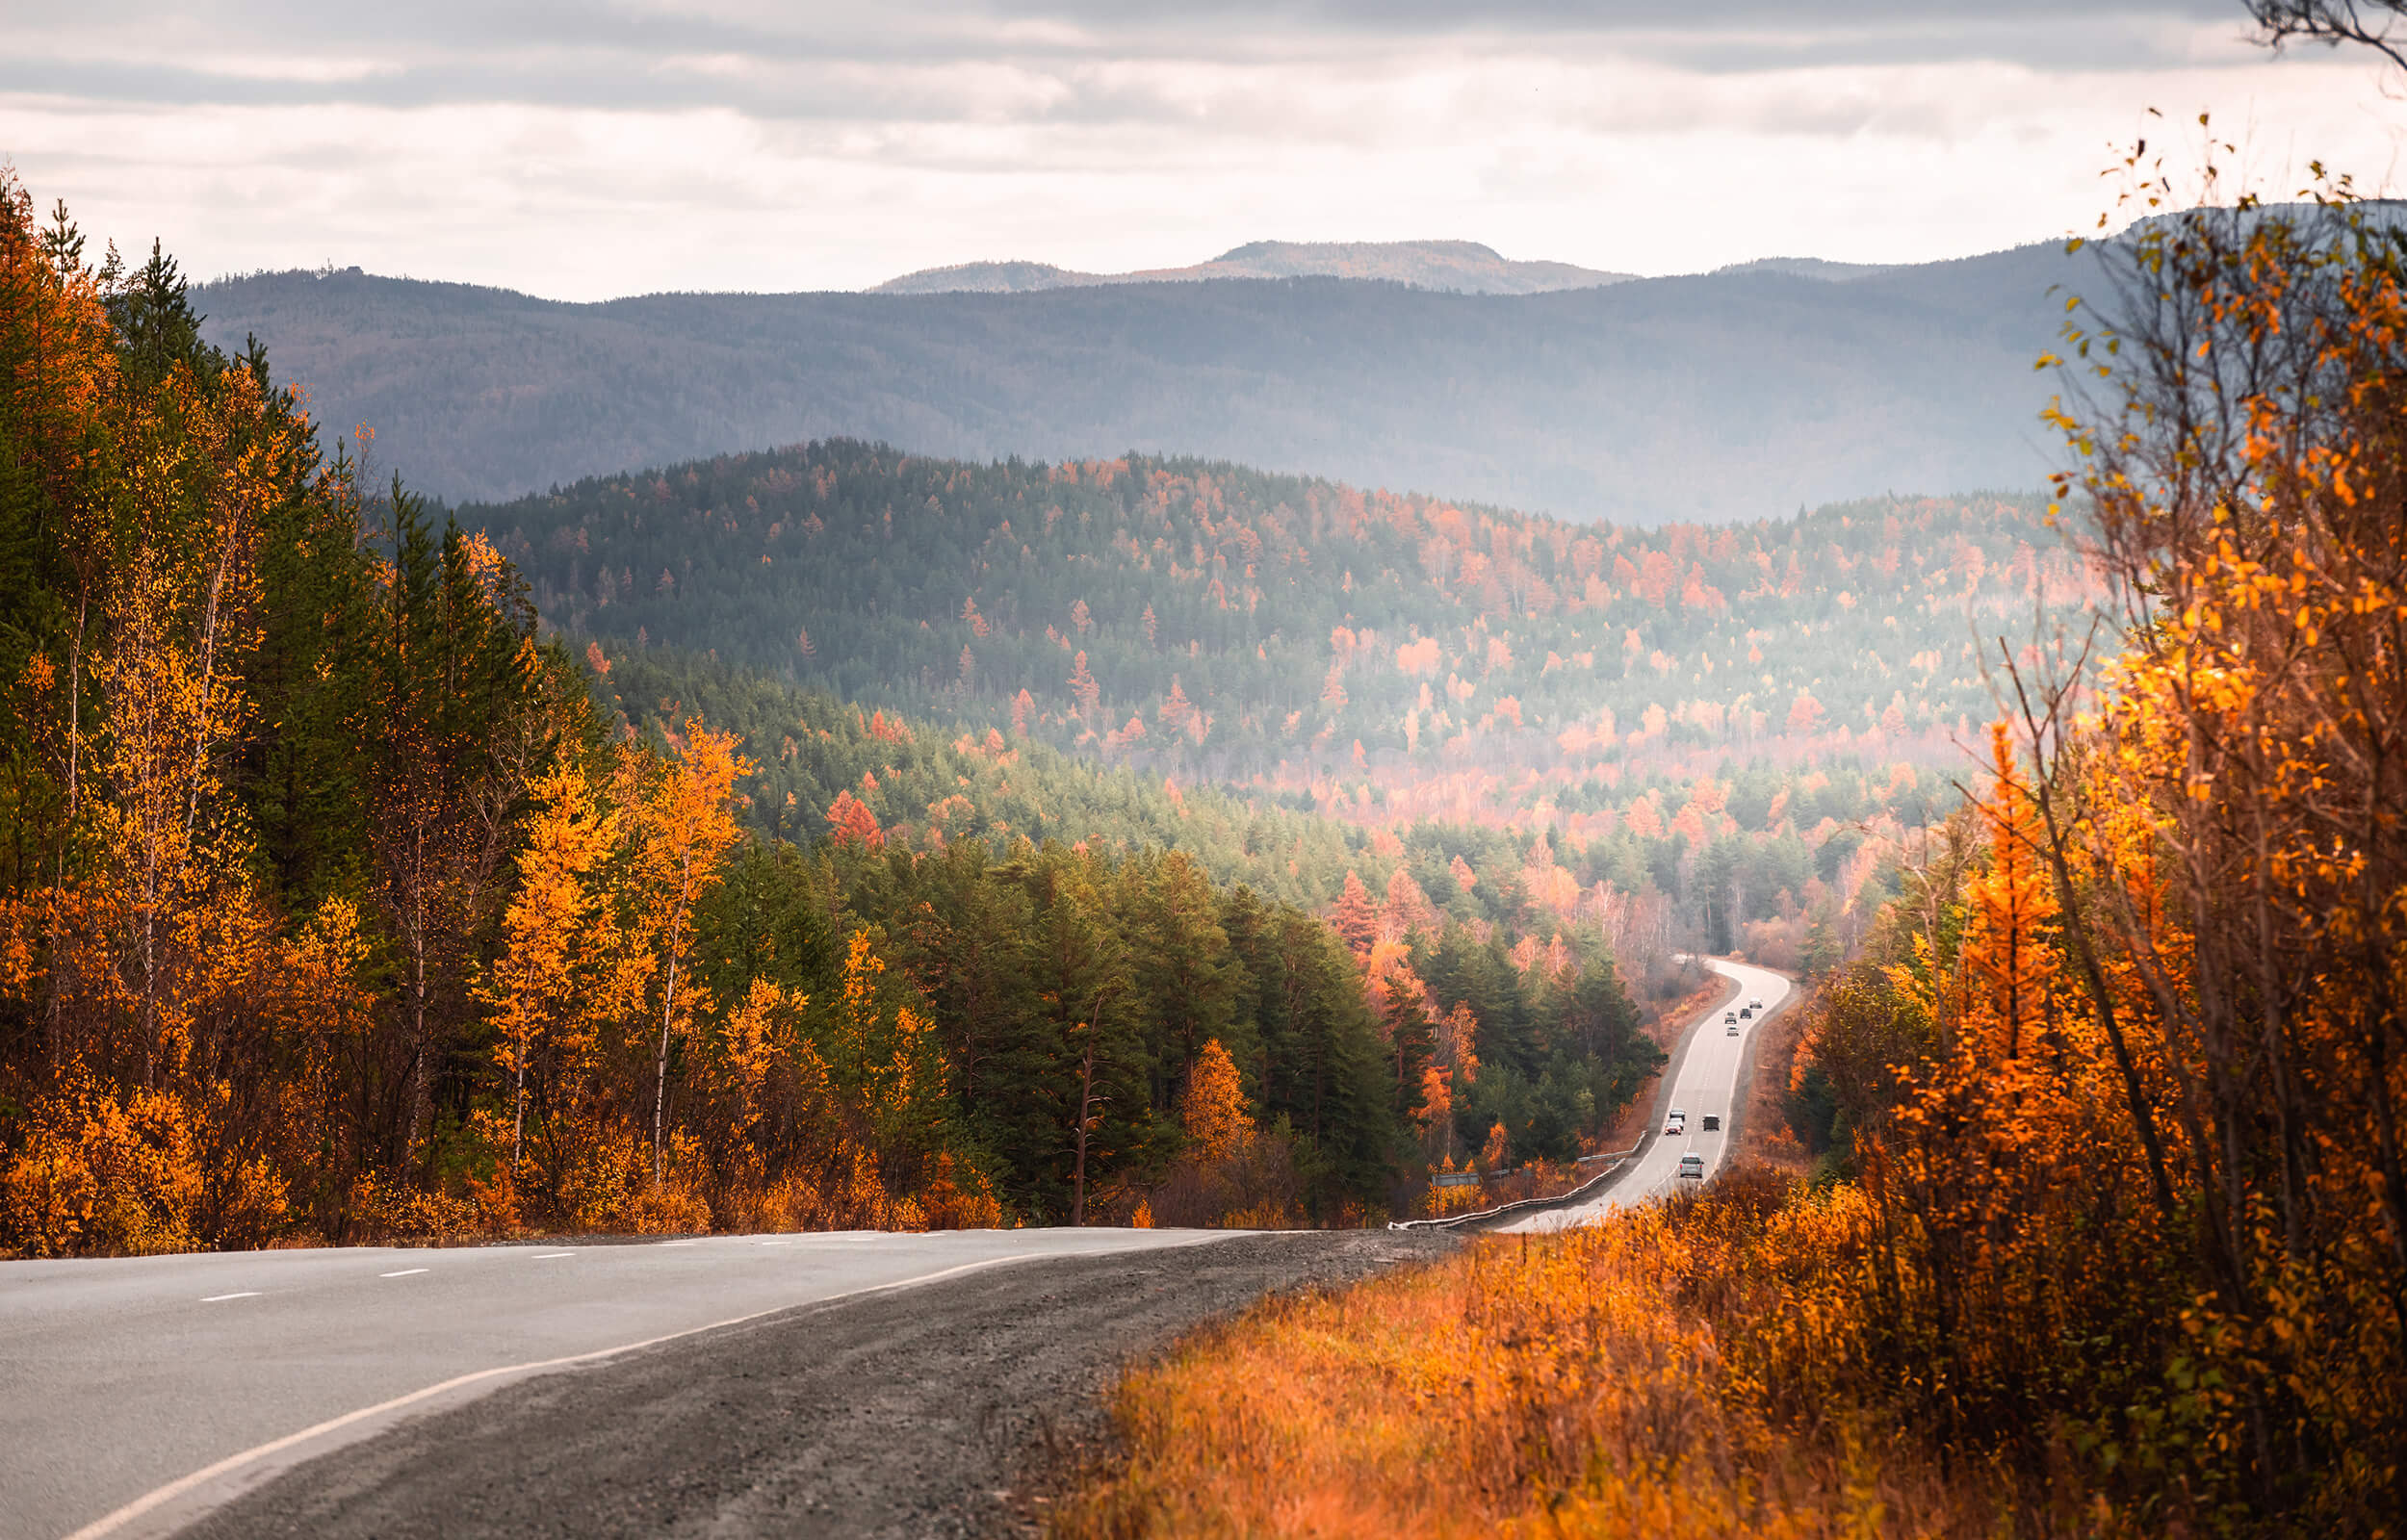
point(2110, 1229)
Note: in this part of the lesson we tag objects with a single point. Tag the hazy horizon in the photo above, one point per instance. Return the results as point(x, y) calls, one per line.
point(653, 147)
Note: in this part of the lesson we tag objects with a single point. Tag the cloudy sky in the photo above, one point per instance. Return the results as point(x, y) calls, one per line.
point(586, 150)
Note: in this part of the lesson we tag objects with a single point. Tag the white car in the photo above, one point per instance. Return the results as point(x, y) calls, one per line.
point(1676, 1123)
point(1731, 1031)
point(1693, 1165)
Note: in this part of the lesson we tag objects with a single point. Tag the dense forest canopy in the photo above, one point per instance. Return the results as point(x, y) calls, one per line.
point(1727, 396)
point(1208, 621)
point(1757, 855)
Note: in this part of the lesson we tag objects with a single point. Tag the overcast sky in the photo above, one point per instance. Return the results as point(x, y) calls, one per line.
point(583, 151)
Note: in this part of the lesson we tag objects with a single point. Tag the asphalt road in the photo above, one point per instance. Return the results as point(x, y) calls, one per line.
point(135, 1393)
point(945, 1412)
point(1706, 1080)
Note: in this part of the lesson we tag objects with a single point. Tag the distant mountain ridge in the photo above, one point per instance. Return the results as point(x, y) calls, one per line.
point(1454, 267)
point(1712, 398)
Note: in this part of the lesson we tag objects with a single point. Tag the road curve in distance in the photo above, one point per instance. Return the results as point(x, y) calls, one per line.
point(1706, 1082)
point(121, 1378)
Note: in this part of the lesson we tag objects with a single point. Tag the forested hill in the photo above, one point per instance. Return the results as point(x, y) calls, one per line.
point(1720, 397)
point(1212, 621)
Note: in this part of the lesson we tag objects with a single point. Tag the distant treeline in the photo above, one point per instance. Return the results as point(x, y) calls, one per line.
point(1216, 621)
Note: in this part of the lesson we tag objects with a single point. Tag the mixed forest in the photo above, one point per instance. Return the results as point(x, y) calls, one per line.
point(343, 898)
point(1218, 623)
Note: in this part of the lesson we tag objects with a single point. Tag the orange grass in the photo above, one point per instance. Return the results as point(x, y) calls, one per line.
point(1599, 1383)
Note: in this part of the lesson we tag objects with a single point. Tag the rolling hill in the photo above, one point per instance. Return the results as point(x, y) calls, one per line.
point(1215, 622)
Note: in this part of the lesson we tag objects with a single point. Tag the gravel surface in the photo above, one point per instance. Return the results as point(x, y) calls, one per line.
point(943, 1410)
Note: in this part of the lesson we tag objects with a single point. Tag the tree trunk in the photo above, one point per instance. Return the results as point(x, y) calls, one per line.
point(659, 1081)
point(1086, 1100)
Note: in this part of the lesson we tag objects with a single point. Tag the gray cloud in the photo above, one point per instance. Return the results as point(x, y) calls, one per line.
point(780, 62)
point(598, 148)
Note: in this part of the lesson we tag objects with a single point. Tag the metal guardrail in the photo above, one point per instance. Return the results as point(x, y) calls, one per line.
point(1522, 1205)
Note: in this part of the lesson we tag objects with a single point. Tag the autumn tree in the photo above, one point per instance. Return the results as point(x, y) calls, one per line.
point(546, 987)
point(681, 821)
point(1212, 1110)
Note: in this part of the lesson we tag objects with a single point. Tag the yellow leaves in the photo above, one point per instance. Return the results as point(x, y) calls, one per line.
point(1212, 1110)
point(99, 1174)
point(862, 968)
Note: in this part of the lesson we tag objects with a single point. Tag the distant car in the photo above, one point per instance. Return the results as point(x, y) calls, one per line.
point(1730, 1031)
point(1713, 1122)
point(1754, 1005)
point(1693, 1165)
point(1729, 1016)
point(1747, 1016)
point(1675, 1124)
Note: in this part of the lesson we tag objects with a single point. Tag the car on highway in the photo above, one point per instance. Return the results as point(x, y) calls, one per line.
point(1693, 1165)
point(1676, 1123)
point(1713, 1122)
point(1729, 1016)
point(1754, 1005)
point(1732, 1030)
point(1747, 1016)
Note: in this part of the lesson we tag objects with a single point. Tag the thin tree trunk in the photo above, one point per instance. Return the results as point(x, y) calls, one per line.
point(1086, 1099)
point(518, 1107)
point(660, 1082)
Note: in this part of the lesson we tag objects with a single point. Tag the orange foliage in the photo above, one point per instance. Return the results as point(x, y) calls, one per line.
point(1212, 1110)
point(1673, 1372)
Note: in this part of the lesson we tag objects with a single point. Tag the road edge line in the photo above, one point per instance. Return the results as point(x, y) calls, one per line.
point(159, 1497)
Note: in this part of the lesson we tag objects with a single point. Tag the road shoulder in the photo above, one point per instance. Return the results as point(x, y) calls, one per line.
point(935, 1411)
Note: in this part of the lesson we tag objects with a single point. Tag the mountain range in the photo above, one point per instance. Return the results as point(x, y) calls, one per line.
point(1458, 267)
point(1733, 395)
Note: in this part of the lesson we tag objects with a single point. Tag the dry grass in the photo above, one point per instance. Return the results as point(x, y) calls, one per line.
point(1564, 1386)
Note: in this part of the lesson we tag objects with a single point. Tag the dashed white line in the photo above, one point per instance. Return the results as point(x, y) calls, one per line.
point(552, 1256)
point(246, 1294)
point(403, 1274)
point(777, 1243)
point(681, 1243)
point(109, 1523)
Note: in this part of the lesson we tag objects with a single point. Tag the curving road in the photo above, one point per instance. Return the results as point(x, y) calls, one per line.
point(1706, 1080)
point(135, 1393)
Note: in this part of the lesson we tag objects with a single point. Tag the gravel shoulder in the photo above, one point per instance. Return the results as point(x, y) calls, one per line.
point(943, 1410)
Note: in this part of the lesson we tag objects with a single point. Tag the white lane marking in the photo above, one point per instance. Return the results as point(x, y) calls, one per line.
point(213, 1298)
point(552, 1256)
point(777, 1243)
point(403, 1274)
point(109, 1523)
point(681, 1243)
